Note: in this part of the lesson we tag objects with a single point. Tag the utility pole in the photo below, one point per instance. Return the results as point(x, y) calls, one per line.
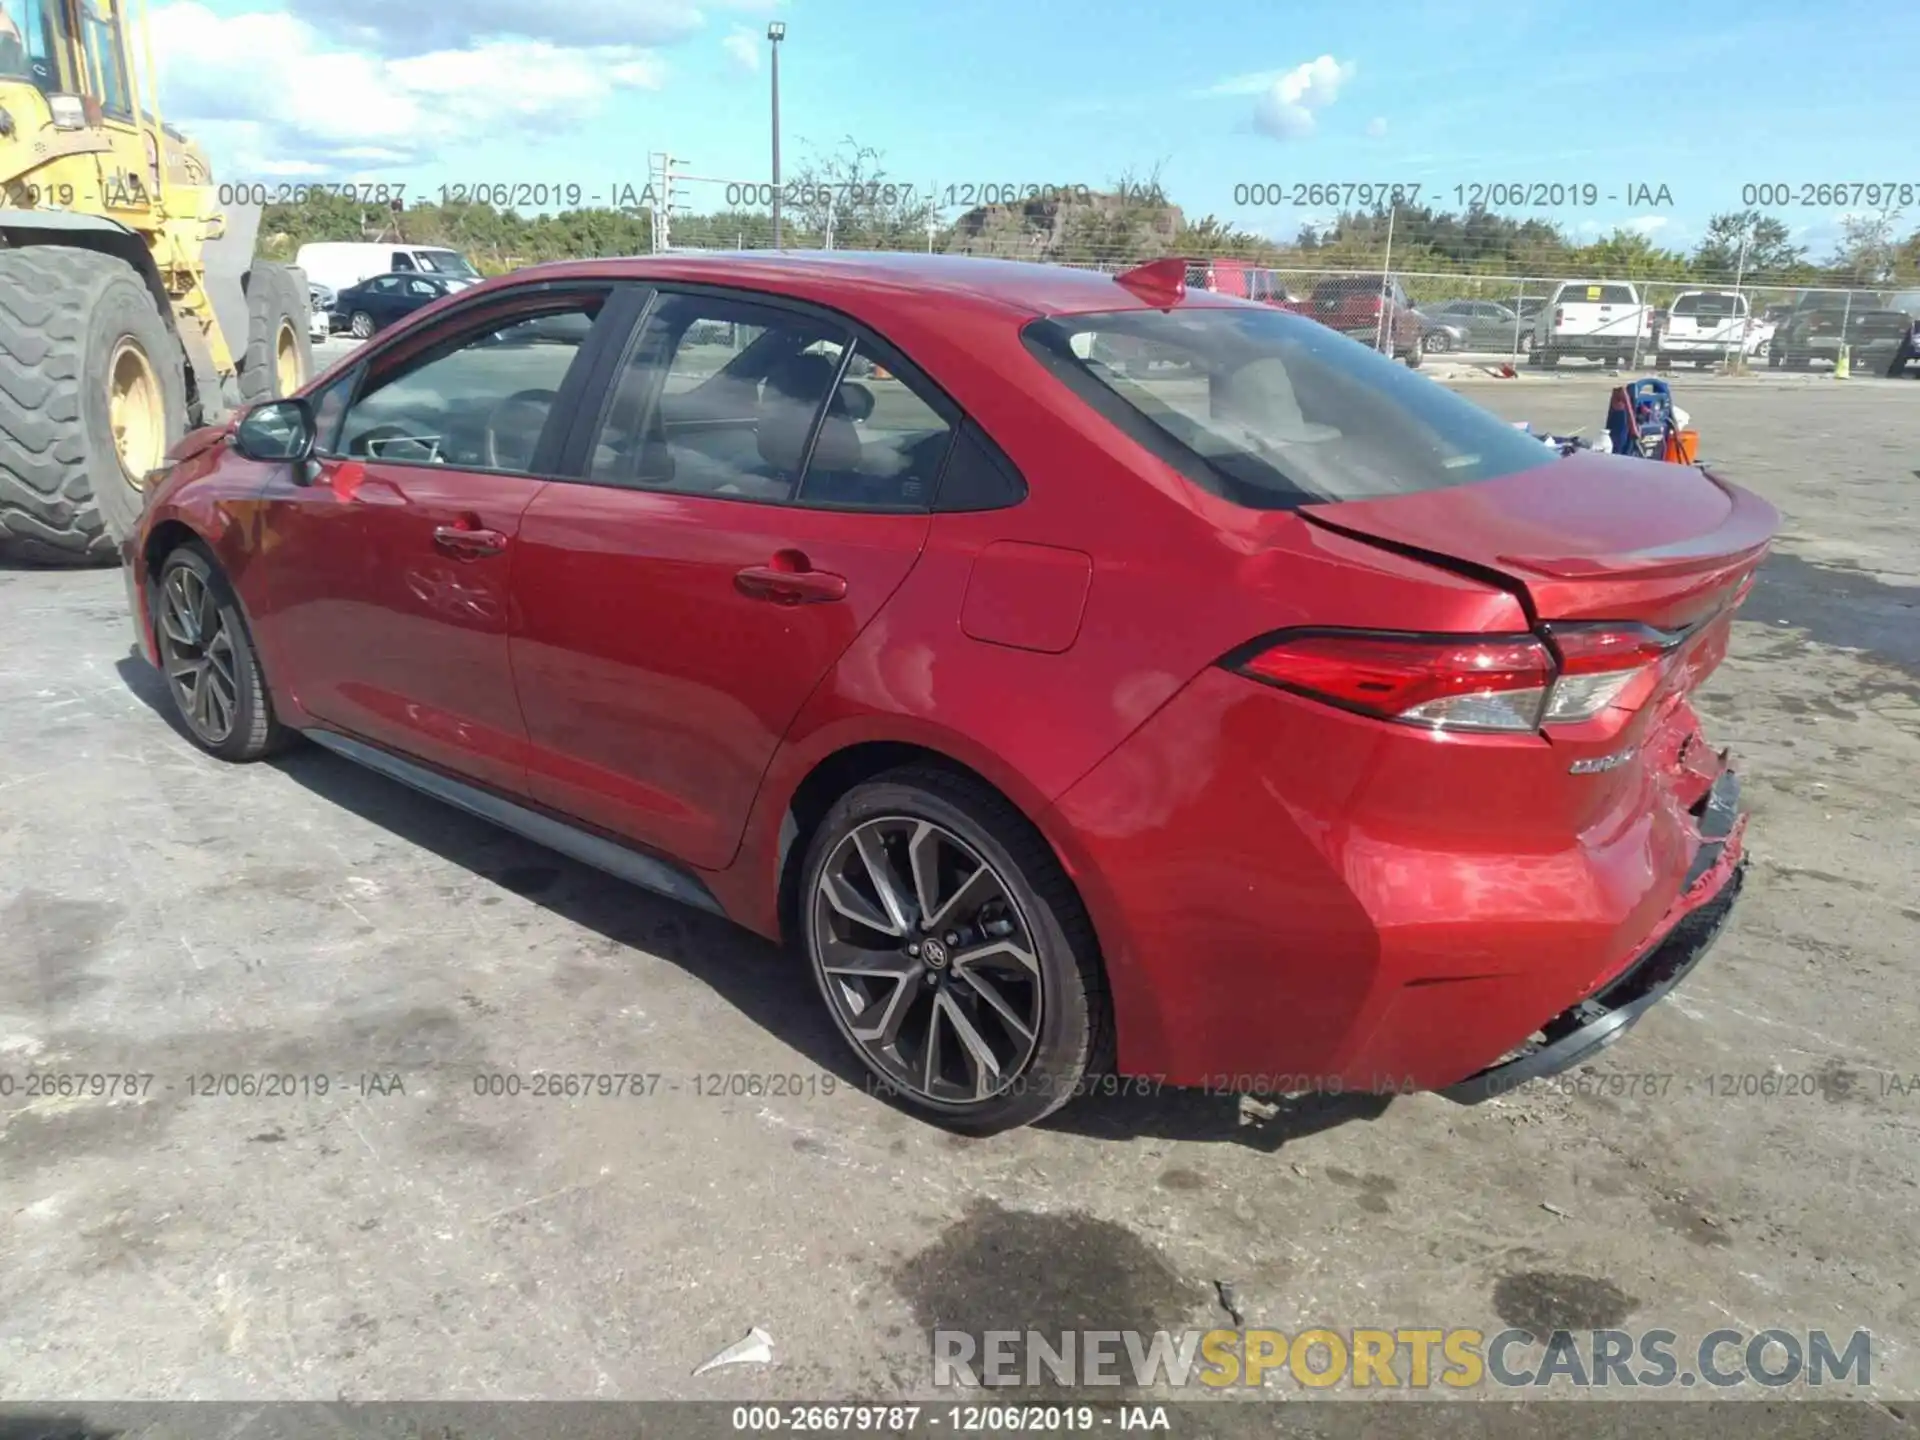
point(776, 32)
point(1386, 279)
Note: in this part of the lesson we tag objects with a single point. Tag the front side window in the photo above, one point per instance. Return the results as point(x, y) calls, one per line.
point(480, 402)
point(107, 60)
point(30, 42)
point(423, 288)
point(1272, 411)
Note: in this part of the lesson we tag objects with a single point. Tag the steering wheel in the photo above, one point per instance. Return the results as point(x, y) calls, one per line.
point(367, 442)
point(534, 406)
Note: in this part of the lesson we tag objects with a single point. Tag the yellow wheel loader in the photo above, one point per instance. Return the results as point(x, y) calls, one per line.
point(131, 308)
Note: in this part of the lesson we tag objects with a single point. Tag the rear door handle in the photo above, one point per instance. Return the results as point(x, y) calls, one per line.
point(790, 587)
point(469, 544)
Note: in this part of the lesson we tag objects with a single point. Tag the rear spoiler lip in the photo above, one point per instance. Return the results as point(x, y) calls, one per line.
point(1743, 539)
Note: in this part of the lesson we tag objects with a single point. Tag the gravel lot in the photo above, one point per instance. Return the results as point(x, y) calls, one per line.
point(163, 914)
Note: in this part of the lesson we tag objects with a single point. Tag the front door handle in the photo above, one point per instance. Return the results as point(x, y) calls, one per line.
point(468, 544)
point(790, 582)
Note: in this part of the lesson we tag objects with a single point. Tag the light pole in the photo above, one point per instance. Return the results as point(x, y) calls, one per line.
point(776, 32)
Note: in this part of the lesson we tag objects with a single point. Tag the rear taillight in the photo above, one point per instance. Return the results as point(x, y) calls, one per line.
point(1559, 317)
point(1603, 665)
point(1507, 683)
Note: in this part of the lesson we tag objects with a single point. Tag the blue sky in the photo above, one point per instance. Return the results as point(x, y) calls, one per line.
point(1705, 97)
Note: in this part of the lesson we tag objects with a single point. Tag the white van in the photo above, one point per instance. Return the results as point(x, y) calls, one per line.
point(339, 264)
point(1602, 320)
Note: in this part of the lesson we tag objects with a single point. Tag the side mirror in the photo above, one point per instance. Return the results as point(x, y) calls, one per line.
point(278, 432)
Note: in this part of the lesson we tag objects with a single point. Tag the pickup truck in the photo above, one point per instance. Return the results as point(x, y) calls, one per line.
point(1372, 309)
point(1594, 320)
point(1704, 326)
point(1872, 326)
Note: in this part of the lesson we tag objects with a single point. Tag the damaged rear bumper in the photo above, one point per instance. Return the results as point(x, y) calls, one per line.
point(1578, 1034)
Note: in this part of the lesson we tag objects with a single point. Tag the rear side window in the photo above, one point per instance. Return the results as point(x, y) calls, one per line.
point(1272, 411)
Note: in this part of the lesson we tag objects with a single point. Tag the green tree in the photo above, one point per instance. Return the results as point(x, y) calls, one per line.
point(1769, 251)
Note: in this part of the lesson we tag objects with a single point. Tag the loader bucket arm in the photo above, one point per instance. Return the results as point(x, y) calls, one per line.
point(227, 261)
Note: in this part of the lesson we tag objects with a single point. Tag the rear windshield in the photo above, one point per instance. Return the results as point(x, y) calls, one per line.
point(1584, 294)
point(1271, 411)
point(1709, 303)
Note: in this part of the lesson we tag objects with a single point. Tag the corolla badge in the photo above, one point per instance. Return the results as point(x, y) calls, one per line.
point(1600, 764)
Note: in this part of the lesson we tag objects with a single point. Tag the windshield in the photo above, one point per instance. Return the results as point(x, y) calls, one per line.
point(30, 42)
point(1272, 411)
point(445, 262)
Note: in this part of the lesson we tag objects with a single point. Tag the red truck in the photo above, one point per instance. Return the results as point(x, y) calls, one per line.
point(1373, 309)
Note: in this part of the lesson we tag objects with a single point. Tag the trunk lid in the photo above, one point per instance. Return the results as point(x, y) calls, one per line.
point(1588, 537)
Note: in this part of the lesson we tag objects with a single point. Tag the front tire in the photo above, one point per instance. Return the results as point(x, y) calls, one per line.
point(1436, 344)
point(1414, 356)
point(207, 655)
point(93, 392)
point(362, 325)
point(953, 954)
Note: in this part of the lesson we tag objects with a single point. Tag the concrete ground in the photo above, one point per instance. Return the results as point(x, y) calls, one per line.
point(404, 1236)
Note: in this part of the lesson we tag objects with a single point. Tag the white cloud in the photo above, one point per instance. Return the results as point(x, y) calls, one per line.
point(1648, 225)
point(1377, 126)
point(1285, 110)
point(743, 45)
point(271, 97)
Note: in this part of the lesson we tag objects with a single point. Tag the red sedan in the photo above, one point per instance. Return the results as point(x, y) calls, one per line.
point(1258, 715)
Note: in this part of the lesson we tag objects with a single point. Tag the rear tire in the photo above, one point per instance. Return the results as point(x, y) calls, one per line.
point(1031, 911)
point(362, 325)
point(279, 357)
point(73, 323)
point(1436, 344)
point(211, 667)
point(1547, 357)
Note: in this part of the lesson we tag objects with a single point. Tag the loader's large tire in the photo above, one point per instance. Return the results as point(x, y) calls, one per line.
point(279, 358)
point(76, 328)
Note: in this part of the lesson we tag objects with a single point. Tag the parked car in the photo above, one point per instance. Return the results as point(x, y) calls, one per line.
point(1248, 282)
point(1439, 335)
point(1708, 326)
point(364, 310)
point(341, 264)
point(320, 320)
point(1488, 325)
point(1373, 309)
point(1288, 715)
point(1592, 320)
point(1871, 326)
point(1905, 355)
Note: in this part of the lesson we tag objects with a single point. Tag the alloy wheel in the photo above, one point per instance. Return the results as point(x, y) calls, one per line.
point(202, 667)
point(928, 961)
point(362, 325)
